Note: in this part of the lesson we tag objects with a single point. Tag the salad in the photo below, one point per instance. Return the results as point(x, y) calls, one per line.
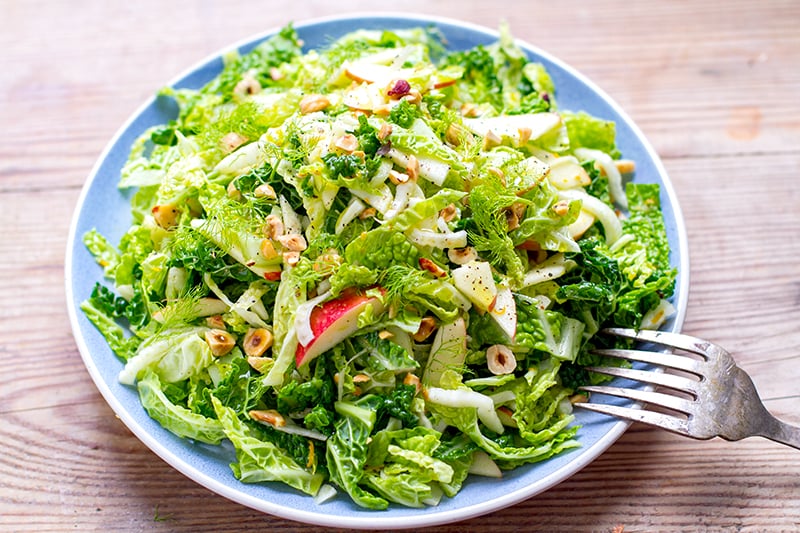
point(378, 267)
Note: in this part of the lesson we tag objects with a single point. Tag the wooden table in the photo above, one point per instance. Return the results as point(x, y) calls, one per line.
point(714, 85)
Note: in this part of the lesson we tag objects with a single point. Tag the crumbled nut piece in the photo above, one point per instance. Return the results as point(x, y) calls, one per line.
point(266, 191)
point(166, 215)
point(293, 242)
point(215, 322)
point(497, 173)
point(412, 379)
point(384, 132)
point(397, 177)
point(382, 110)
point(426, 326)
point(273, 226)
point(412, 168)
point(561, 208)
point(433, 268)
point(580, 397)
point(385, 334)
point(625, 166)
point(267, 249)
point(268, 416)
point(514, 213)
point(455, 134)
point(448, 213)
point(360, 378)
point(259, 364)
point(291, 258)
point(233, 192)
point(469, 109)
point(328, 262)
point(462, 256)
point(347, 143)
point(524, 135)
point(313, 102)
point(231, 141)
point(500, 360)
point(275, 74)
point(247, 85)
point(491, 139)
point(220, 341)
point(257, 341)
point(535, 253)
point(367, 213)
point(413, 97)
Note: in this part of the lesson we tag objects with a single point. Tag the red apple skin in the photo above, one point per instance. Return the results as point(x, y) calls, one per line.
point(342, 312)
point(361, 74)
point(443, 83)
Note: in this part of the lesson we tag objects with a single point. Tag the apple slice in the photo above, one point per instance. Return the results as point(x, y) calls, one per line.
point(581, 225)
point(475, 281)
point(364, 72)
point(483, 465)
point(567, 173)
point(504, 312)
point(333, 321)
point(518, 128)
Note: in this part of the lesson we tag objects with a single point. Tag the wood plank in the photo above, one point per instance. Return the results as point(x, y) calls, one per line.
point(715, 88)
point(712, 88)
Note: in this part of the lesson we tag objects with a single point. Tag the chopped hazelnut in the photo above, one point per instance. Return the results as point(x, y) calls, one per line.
point(448, 213)
point(384, 132)
point(247, 85)
point(426, 327)
point(412, 168)
point(215, 322)
point(221, 342)
point(231, 141)
point(291, 258)
point(273, 226)
point(367, 213)
point(500, 360)
point(433, 268)
point(257, 341)
point(265, 190)
point(293, 242)
point(268, 416)
point(397, 177)
point(233, 192)
point(267, 249)
point(313, 102)
point(412, 379)
point(259, 364)
point(347, 143)
point(491, 139)
point(462, 256)
point(561, 208)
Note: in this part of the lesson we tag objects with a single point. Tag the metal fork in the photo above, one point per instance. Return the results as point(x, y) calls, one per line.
point(723, 400)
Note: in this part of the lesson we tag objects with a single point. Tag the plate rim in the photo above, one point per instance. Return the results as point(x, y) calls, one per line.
point(371, 520)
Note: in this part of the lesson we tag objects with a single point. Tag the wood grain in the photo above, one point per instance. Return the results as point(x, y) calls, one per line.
point(714, 86)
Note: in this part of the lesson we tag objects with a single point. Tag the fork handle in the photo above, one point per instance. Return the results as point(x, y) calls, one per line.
point(782, 432)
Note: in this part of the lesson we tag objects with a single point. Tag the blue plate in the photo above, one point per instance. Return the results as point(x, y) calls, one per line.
point(104, 207)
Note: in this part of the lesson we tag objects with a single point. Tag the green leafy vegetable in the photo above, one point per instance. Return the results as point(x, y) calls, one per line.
point(358, 231)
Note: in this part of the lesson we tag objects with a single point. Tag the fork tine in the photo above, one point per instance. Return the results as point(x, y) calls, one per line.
point(665, 380)
point(676, 340)
point(678, 362)
point(654, 398)
point(667, 422)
